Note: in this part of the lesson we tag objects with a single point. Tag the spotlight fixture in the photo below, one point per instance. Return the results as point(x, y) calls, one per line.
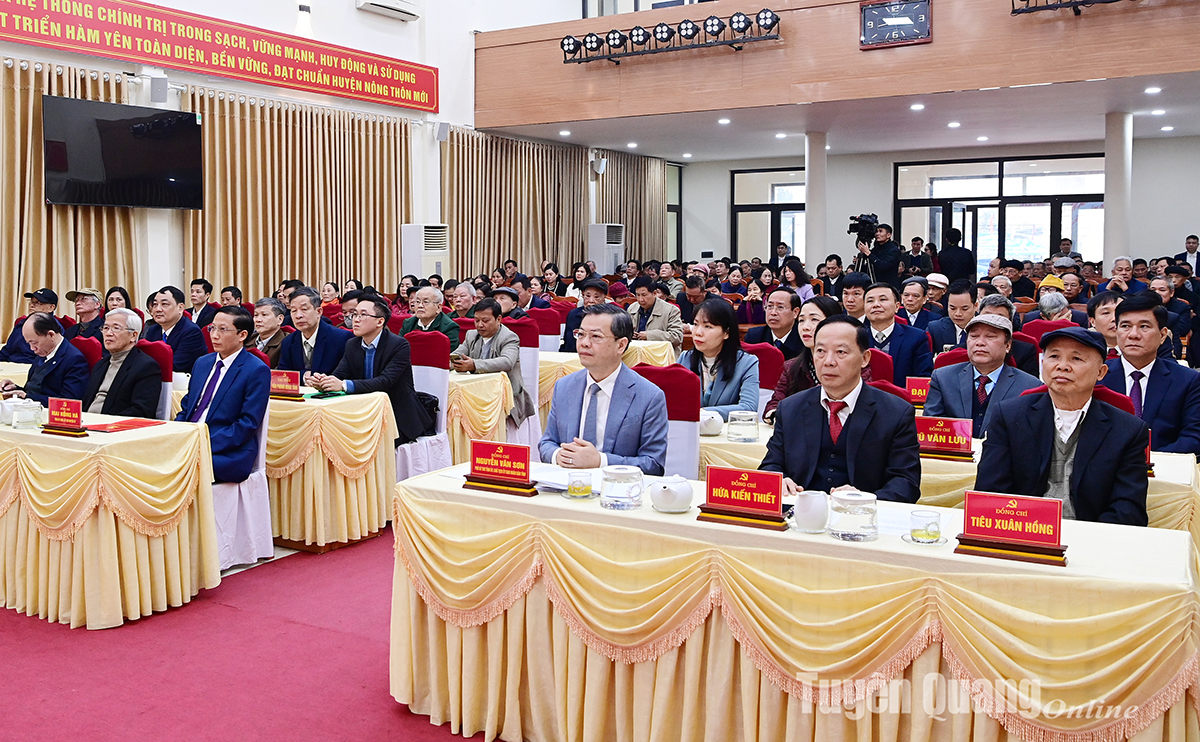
point(981, 139)
point(632, 145)
point(917, 107)
point(713, 26)
point(570, 45)
point(954, 124)
point(781, 135)
point(1157, 112)
point(740, 22)
point(1153, 91)
point(592, 42)
point(616, 39)
point(1168, 128)
point(688, 30)
point(564, 133)
point(722, 122)
point(687, 155)
point(766, 20)
point(663, 33)
point(640, 36)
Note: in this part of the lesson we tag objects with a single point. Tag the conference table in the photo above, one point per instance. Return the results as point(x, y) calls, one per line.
point(1172, 500)
point(547, 619)
point(553, 366)
point(113, 526)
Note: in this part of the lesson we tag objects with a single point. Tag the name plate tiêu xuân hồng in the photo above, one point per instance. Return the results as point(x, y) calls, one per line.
point(744, 498)
point(500, 467)
point(286, 385)
point(1024, 529)
point(65, 417)
point(918, 390)
point(945, 438)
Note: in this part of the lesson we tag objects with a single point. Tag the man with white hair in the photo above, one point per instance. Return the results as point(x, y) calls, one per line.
point(1122, 281)
point(128, 382)
point(463, 301)
point(428, 316)
point(1054, 312)
point(1003, 285)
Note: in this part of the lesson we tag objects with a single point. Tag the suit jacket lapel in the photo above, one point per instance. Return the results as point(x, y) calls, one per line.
point(618, 406)
point(230, 374)
point(966, 388)
point(811, 420)
point(858, 422)
point(1155, 390)
point(1094, 431)
point(1039, 429)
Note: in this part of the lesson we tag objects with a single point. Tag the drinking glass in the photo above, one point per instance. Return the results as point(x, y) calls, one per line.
point(743, 427)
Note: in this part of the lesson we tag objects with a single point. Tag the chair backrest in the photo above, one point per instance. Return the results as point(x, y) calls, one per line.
point(1035, 329)
point(891, 388)
point(950, 357)
point(140, 313)
point(334, 313)
point(770, 363)
point(1101, 392)
point(881, 365)
point(431, 368)
point(395, 322)
point(547, 320)
point(260, 356)
point(465, 324)
point(91, 348)
point(207, 339)
point(1022, 336)
point(66, 321)
point(249, 307)
point(682, 389)
point(563, 307)
point(165, 358)
point(527, 330)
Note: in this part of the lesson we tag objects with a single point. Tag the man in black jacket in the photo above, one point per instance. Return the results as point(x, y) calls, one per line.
point(955, 262)
point(885, 256)
point(594, 291)
point(126, 383)
point(378, 361)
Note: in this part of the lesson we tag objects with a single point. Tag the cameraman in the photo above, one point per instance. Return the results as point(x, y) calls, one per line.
point(884, 256)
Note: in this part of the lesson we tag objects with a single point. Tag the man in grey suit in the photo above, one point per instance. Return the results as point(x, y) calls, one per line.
point(653, 318)
point(492, 348)
point(973, 390)
point(606, 413)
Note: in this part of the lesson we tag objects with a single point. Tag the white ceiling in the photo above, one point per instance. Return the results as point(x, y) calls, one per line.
point(1061, 112)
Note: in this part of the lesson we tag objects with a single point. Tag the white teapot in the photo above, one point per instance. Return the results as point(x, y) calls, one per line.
point(671, 494)
point(811, 511)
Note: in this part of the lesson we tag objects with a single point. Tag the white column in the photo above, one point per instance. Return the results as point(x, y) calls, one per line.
point(815, 159)
point(1118, 168)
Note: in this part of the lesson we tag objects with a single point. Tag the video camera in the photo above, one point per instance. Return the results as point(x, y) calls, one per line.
point(863, 227)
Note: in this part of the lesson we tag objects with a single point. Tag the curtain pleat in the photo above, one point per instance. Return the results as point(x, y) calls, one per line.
point(633, 191)
point(62, 247)
point(297, 191)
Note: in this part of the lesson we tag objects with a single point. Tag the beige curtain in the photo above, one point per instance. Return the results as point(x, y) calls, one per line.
point(62, 247)
point(296, 191)
point(633, 191)
point(508, 198)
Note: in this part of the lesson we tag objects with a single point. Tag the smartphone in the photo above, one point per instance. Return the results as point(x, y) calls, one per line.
point(455, 357)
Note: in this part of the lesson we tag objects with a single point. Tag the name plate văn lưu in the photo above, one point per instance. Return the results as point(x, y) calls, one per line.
point(945, 438)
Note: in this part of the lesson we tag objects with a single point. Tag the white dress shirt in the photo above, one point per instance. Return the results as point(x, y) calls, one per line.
point(310, 343)
point(1065, 421)
point(1128, 369)
point(225, 364)
point(850, 399)
point(603, 399)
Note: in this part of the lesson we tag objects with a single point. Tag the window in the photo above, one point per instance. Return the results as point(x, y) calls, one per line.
point(768, 208)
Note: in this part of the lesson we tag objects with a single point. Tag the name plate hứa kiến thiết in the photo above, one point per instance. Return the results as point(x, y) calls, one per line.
point(945, 438)
point(500, 467)
point(744, 498)
point(1025, 529)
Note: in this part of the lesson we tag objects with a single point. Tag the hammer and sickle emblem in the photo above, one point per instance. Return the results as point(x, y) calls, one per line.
point(1012, 503)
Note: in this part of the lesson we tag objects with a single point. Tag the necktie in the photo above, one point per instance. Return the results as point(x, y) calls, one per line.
point(981, 392)
point(835, 422)
point(1135, 393)
point(369, 362)
point(881, 339)
point(1112, 353)
point(589, 422)
point(206, 398)
point(308, 351)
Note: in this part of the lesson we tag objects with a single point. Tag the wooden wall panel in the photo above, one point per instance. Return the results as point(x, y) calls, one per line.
point(520, 78)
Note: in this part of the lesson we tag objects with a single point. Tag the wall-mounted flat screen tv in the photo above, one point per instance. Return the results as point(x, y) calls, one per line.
point(107, 154)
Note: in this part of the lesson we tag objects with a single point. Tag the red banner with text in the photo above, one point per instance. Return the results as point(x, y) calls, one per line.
point(139, 32)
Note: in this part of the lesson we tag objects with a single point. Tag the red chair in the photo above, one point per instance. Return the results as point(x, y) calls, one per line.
point(949, 358)
point(207, 339)
point(249, 307)
point(549, 328)
point(1026, 338)
point(165, 358)
point(260, 356)
point(881, 365)
point(287, 329)
point(682, 389)
point(527, 330)
point(465, 324)
point(1102, 393)
point(66, 321)
point(888, 386)
point(139, 313)
point(396, 321)
point(91, 348)
point(1039, 327)
point(770, 366)
point(334, 313)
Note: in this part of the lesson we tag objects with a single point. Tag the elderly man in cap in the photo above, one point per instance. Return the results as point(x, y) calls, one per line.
point(88, 316)
point(1066, 443)
point(593, 291)
point(1021, 286)
point(507, 298)
point(16, 350)
point(974, 389)
point(938, 283)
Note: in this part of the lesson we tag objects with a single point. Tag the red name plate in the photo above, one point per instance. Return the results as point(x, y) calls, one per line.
point(1026, 520)
point(757, 492)
point(285, 382)
point(506, 462)
point(918, 389)
point(65, 413)
point(944, 435)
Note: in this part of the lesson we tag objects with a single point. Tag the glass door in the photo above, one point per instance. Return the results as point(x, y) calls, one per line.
point(791, 231)
point(1083, 223)
point(1027, 231)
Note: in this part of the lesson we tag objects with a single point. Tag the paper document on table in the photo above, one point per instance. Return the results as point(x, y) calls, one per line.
point(551, 477)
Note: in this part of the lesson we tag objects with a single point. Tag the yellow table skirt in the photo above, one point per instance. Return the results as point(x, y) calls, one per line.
point(110, 527)
point(553, 366)
point(17, 373)
point(477, 409)
point(540, 619)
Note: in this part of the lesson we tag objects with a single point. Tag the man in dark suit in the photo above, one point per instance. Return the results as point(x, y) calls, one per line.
point(884, 256)
point(1021, 286)
point(315, 347)
point(908, 346)
point(782, 253)
point(525, 298)
point(951, 331)
point(15, 349)
point(692, 296)
point(781, 310)
point(126, 382)
point(228, 392)
point(832, 280)
point(912, 303)
point(957, 263)
point(594, 291)
point(973, 390)
point(1191, 253)
point(844, 433)
point(201, 312)
point(1066, 444)
point(1184, 317)
point(378, 361)
point(176, 329)
point(1165, 395)
point(1122, 281)
point(59, 369)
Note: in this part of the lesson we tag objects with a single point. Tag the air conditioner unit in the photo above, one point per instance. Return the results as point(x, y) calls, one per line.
point(425, 249)
point(404, 10)
point(606, 246)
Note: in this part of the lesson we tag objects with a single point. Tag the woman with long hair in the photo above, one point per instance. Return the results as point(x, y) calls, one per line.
point(728, 374)
point(580, 272)
point(750, 311)
point(117, 298)
point(793, 275)
point(552, 280)
point(799, 373)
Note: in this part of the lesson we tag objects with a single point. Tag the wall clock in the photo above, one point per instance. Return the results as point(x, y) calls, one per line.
point(894, 24)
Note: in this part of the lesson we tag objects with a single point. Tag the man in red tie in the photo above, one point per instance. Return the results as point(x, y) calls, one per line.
point(845, 434)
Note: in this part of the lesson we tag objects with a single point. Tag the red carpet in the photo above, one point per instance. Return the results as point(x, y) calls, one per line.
point(296, 649)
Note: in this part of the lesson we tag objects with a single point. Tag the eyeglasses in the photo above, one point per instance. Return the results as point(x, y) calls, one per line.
point(422, 302)
point(595, 337)
point(112, 329)
point(364, 315)
point(214, 330)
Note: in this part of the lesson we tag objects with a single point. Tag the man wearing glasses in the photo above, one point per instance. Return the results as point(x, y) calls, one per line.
point(606, 413)
point(379, 361)
point(228, 391)
point(428, 316)
point(128, 382)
